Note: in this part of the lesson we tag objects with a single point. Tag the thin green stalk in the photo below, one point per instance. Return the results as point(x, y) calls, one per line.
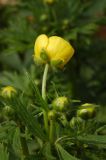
point(44, 81)
point(52, 129)
point(44, 95)
point(45, 116)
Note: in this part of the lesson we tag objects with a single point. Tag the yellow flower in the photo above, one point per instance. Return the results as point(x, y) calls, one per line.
point(54, 49)
point(8, 91)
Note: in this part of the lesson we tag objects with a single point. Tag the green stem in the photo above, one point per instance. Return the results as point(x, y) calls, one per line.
point(44, 81)
point(44, 95)
point(24, 147)
point(52, 129)
point(45, 116)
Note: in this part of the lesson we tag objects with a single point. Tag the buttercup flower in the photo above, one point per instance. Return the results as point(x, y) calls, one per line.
point(54, 49)
point(8, 91)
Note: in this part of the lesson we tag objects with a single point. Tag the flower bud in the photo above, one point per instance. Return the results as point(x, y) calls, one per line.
point(37, 82)
point(65, 23)
point(87, 111)
point(51, 114)
point(60, 104)
point(44, 28)
point(8, 92)
point(76, 122)
point(43, 17)
point(8, 111)
point(55, 49)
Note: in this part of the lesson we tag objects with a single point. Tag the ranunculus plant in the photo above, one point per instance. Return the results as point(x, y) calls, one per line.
point(43, 128)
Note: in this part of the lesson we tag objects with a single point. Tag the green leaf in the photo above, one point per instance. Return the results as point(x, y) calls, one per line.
point(19, 104)
point(12, 61)
point(64, 155)
point(101, 130)
point(39, 98)
point(88, 28)
point(4, 155)
point(7, 130)
point(47, 152)
point(96, 7)
point(16, 142)
point(93, 139)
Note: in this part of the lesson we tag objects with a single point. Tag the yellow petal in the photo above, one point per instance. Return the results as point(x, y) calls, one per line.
point(66, 54)
point(40, 44)
point(53, 46)
point(59, 49)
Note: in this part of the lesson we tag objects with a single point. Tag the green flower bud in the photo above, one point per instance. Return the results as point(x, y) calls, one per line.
point(8, 111)
point(65, 23)
point(51, 114)
point(44, 28)
point(76, 122)
point(87, 111)
point(8, 92)
point(37, 82)
point(60, 104)
point(43, 17)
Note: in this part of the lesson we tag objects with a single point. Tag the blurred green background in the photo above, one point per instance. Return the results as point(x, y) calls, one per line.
point(81, 22)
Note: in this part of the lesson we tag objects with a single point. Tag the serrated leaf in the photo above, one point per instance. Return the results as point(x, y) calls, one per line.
point(26, 117)
point(64, 154)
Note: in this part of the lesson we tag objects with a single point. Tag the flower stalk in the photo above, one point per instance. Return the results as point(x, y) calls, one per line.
point(52, 129)
point(44, 80)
